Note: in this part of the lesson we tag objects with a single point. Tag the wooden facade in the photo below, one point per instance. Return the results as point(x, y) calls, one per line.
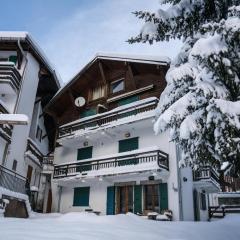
point(94, 83)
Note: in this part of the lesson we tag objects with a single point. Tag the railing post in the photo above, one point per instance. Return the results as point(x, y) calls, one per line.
point(66, 170)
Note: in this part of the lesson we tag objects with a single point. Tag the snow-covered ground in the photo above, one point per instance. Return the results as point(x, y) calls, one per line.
point(77, 226)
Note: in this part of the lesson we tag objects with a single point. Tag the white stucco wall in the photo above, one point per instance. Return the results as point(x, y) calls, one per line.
point(25, 106)
point(3, 144)
point(187, 193)
point(106, 146)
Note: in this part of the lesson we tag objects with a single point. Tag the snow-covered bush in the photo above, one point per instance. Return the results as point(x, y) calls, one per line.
point(201, 103)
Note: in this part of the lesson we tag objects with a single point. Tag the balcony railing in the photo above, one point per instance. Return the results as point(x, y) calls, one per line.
point(9, 73)
point(108, 117)
point(13, 181)
point(6, 128)
point(31, 146)
point(72, 169)
point(48, 160)
point(206, 173)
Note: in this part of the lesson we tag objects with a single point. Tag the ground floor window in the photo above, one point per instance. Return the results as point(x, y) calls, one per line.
point(151, 198)
point(125, 199)
point(81, 196)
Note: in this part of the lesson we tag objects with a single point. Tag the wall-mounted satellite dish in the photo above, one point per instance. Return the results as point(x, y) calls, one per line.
point(80, 101)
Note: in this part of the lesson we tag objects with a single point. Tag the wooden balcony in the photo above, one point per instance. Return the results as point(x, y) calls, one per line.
point(122, 164)
point(10, 78)
point(207, 174)
point(107, 118)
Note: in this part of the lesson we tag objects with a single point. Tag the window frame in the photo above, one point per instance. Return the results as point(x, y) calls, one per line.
point(115, 81)
point(14, 165)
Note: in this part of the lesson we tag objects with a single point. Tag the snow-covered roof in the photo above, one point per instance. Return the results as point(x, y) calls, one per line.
point(25, 36)
point(133, 57)
point(148, 59)
point(13, 35)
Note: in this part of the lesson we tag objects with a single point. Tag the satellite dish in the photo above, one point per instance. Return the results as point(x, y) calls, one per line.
point(80, 101)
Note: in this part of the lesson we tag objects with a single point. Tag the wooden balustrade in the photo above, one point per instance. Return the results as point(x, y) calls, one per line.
point(72, 169)
point(205, 172)
point(106, 118)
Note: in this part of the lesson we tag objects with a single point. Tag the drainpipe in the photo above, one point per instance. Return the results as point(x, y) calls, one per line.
point(23, 75)
point(179, 184)
point(59, 198)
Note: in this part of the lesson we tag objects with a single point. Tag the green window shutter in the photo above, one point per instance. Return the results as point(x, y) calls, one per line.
point(128, 100)
point(81, 196)
point(138, 199)
point(163, 192)
point(128, 144)
point(111, 200)
point(12, 59)
point(83, 154)
point(88, 113)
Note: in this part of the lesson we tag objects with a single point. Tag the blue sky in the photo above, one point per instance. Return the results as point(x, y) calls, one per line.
point(71, 32)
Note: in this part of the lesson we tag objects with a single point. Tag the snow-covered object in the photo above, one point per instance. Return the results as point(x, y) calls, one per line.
point(7, 192)
point(20, 119)
point(34, 189)
point(201, 103)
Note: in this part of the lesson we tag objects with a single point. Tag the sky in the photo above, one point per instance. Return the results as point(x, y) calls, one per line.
point(71, 32)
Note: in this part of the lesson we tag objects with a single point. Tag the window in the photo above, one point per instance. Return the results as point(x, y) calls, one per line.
point(14, 166)
point(29, 173)
point(81, 196)
point(117, 86)
point(203, 201)
point(84, 153)
point(98, 92)
point(128, 144)
point(12, 59)
point(151, 198)
point(39, 133)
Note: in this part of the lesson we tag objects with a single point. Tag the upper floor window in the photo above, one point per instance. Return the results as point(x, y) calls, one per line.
point(117, 85)
point(97, 92)
point(14, 166)
point(39, 133)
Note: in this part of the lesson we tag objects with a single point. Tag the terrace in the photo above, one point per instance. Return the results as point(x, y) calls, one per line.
point(125, 163)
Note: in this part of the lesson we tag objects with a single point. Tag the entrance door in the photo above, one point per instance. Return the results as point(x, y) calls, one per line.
point(125, 199)
point(151, 198)
point(29, 173)
point(49, 201)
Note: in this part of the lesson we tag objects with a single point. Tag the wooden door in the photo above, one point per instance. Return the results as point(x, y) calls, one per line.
point(29, 173)
point(49, 201)
point(125, 199)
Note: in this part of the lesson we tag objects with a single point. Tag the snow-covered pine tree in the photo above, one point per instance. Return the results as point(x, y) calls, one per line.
point(201, 103)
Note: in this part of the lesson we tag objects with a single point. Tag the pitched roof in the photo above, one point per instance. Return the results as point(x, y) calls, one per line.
point(147, 59)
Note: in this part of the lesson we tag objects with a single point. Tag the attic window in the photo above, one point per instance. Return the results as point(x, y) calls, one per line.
point(97, 92)
point(117, 85)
